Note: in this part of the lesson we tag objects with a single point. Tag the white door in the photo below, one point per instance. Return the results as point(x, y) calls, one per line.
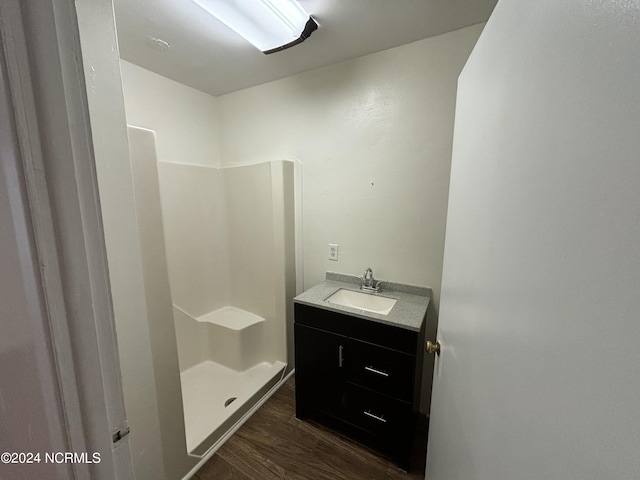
point(539, 376)
point(60, 386)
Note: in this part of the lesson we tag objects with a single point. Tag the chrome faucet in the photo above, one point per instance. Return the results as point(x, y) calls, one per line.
point(369, 284)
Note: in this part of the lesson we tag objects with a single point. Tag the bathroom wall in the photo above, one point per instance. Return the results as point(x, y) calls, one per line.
point(374, 136)
point(184, 118)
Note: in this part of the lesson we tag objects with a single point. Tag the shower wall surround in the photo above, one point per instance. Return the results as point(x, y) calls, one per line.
point(196, 236)
point(219, 272)
point(159, 396)
point(225, 243)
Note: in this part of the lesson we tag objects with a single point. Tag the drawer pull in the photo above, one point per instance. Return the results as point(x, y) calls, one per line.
point(340, 358)
point(377, 372)
point(375, 417)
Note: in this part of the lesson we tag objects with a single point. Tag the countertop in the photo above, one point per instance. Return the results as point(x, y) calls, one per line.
point(409, 311)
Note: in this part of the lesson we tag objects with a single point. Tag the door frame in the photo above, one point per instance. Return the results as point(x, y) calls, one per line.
point(51, 132)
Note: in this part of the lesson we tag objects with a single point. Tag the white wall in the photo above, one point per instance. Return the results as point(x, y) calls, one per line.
point(374, 135)
point(183, 118)
point(539, 375)
point(194, 211)
point(251, 248)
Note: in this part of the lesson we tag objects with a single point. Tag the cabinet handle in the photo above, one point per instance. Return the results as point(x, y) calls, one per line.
point(340, 359)
point(377, 372)
point(375, 417)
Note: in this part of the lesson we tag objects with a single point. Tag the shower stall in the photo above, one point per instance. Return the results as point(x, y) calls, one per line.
point(218, 254)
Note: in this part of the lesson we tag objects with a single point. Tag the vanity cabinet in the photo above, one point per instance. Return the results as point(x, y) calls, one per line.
point(360, 377)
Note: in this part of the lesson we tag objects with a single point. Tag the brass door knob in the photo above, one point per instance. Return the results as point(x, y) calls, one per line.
point(433, 347)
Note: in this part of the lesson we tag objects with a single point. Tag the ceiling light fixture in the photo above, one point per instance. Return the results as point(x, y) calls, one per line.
point(270, 25)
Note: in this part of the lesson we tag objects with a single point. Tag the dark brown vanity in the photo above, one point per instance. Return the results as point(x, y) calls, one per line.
point(359, 373)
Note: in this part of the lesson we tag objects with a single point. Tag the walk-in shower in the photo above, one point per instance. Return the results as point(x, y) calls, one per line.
point(219, 270)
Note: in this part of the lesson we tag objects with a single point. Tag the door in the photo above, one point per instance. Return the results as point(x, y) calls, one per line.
point(60, 386)
point(539, 375)
point(320, 377)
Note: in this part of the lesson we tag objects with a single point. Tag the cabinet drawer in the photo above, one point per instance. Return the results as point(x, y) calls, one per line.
point(381, 369)
point(367, 330)
point(377, 413)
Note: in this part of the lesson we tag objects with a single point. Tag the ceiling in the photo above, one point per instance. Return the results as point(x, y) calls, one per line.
point(205, 54)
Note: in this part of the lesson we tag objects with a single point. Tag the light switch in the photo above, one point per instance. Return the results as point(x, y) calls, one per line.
point(333, 252)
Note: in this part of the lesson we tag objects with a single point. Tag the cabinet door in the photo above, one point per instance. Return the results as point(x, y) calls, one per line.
point(320, 371)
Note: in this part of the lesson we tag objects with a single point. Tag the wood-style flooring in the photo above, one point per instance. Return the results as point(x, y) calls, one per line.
point(274, 444)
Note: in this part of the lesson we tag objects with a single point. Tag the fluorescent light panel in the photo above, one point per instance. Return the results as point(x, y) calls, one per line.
point(267, 24)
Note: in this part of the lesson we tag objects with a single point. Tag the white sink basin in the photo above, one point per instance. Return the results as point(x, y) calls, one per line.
point(362, 301)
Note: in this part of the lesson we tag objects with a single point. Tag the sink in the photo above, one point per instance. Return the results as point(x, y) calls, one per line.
point(362, 301)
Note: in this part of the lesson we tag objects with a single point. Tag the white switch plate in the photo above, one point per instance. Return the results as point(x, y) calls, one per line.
point(333, 252)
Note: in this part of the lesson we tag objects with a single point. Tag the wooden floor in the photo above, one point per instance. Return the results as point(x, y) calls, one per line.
point(274, 444)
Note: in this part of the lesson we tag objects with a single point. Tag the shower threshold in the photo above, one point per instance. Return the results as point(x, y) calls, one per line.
point(206, 391)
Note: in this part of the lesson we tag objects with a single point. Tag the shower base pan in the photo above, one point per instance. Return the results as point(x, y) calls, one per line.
point(215, 398)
